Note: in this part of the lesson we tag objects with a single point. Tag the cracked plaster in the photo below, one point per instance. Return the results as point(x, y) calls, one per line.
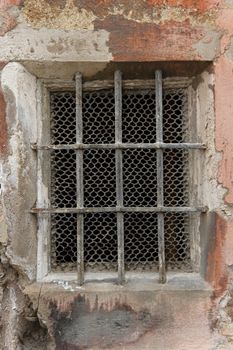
point(25, 43)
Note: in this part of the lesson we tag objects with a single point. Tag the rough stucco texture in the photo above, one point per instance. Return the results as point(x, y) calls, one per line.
point(3, 125)
point(47, 31)
point(7, 16)
point(128, 319)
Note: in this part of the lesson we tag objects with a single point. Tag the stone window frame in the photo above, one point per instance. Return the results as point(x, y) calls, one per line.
point(24, 94)
point(43, 261)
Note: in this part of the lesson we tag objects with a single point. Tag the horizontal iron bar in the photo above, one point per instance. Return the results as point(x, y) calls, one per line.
point(156, 145)
point(119, 209)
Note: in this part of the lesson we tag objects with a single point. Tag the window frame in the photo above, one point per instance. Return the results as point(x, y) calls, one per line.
point(43, 181)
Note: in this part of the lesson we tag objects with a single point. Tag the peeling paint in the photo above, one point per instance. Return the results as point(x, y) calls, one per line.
point(197, 5)
point(8, 17)
point(224, 123)
point(50, 15)
point(216, 269)
point(149, 42)
point(55, 45)
point(81, 15)
point(61, 33)
point(209, 45)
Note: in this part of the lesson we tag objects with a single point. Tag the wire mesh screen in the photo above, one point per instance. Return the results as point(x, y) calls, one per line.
point(63, 121)
point(63, 179)
point(175, 116)
point(63, 241)
point(176, 176)
point(139, 180)
point(100, 241)
point(99, 117)
point(99, 178)
point(177, 242)
point(138, 117)
point(141, 241)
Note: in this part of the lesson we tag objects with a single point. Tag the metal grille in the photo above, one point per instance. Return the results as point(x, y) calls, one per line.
point(98, 117)
point(139, 178)
point(64, 242)
point(99, 181)
point(138, 111)
point(141, 241)
point(176, 177)
point(120, 179)
point(175, 116)
point(177, 242)
point(100, 241)
point(63, 120)
point(63, 179)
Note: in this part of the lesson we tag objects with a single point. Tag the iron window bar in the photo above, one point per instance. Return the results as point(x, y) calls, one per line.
point(159, 153)
point(159, 146)
point(119, 174)
point(79, 180)
point(119, 210)
point(119, 145)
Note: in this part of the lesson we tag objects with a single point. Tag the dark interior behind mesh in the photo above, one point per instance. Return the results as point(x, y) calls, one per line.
point(139, 176)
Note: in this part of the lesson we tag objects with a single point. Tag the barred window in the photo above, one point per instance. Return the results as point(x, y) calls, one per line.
point(117, 161)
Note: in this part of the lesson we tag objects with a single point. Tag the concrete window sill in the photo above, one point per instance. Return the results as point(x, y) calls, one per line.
point(134, 282)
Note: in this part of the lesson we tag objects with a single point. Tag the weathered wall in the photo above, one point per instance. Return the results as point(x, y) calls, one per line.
point(55, 38)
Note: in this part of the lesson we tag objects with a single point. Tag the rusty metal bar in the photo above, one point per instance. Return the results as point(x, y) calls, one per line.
point(79, 180)
point(159, 138)
point(83, 210)
point(119, 174)
point(156, 145)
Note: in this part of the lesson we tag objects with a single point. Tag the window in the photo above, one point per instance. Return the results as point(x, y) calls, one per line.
point(116, 157)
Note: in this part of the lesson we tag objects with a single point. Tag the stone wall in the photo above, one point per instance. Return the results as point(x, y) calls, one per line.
point(54, 39)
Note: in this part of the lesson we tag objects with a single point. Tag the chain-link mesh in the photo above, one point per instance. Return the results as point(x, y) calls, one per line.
point(177, 241)
point(63, 179)
point(175, 116)
point(63, 120)
point(141, 241)
point(138, 117)
point(176, 172)
point(100, 241)
point(63, 241)
point(139, 180)
point(99, 117)
point(99, 178)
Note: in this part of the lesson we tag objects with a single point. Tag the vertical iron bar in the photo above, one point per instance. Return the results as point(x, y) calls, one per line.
point(159, 138)
point(119, 174)
point(79, 179)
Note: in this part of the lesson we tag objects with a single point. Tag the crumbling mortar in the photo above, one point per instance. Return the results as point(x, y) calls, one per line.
point(22, 320)
point(221, 315)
